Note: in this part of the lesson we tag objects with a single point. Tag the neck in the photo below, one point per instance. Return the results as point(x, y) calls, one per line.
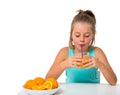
point(78, 51)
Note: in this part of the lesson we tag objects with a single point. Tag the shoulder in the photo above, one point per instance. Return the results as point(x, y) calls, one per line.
point(63, 52)
point(99, 52)
point(64, 49)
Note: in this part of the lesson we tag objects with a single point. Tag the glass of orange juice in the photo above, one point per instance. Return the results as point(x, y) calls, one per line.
point(83, 56)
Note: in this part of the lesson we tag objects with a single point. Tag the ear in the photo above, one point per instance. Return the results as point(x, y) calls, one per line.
point(93, 36)
point(92, 39)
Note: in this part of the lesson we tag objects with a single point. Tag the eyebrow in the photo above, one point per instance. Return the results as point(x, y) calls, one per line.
point(83, 33)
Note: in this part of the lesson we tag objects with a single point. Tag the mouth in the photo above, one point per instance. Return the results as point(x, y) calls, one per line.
point(82, 45)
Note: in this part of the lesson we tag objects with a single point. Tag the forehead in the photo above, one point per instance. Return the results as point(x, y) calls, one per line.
point(82, 27)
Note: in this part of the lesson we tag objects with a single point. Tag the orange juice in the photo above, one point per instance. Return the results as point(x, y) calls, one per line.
point(81, 64)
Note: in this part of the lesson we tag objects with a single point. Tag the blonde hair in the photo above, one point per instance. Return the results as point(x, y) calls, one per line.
point(83, 16)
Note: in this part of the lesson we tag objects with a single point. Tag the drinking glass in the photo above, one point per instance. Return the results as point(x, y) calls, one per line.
point(84, 56)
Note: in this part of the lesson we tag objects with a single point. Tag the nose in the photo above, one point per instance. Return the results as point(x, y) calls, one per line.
point(81, 38)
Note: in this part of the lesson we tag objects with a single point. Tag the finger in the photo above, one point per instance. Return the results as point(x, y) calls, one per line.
point(77, 60)
point(86, 61)
point(79, 63)
point(76, 57)
point(90, 57)
point(73, 65)
point(89, 65)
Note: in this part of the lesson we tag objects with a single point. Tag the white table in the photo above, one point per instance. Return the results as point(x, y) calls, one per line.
point(85, 89)
point(88, 89)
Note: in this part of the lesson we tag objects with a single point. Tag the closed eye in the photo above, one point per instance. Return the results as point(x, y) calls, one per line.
point(87, 35)
point(77, 35)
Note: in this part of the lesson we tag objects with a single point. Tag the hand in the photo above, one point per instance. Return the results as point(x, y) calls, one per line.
point(91, 62)
point(72, 61)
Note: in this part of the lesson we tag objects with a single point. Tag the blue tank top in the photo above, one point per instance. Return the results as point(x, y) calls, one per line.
point(82, 75)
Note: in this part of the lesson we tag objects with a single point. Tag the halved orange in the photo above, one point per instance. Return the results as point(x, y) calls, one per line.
point(29, 84)
point(48, 85)
point(39, 80)
point(54, 82)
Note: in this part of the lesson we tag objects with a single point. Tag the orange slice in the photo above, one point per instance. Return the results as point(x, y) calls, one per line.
point(54, 82)
point(48, 85)
point(39, 87)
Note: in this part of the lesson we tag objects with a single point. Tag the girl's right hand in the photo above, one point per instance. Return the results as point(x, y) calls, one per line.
point(72, 61)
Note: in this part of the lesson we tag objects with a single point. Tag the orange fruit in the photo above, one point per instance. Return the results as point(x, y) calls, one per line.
point(48, 85)
point(39, 87)
point(54, 82)
point(39, 83)
point(39, 80)
point(29, 84)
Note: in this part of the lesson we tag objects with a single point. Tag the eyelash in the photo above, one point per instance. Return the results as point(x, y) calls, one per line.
point(84, 36)
point(87, 36)
point(77, 35)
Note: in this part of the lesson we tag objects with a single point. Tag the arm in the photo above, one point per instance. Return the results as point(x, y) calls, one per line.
point(62, 61)
point(58, 66)
point(105, 67)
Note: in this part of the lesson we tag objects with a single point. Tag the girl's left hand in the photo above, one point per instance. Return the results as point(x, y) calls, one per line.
point(91, 62)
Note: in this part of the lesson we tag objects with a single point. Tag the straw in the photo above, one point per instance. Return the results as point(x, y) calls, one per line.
point(81, 50)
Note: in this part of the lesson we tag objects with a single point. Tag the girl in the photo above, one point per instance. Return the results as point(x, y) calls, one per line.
point(82, 37)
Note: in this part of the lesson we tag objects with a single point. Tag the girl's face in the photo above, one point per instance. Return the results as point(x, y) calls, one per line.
point(82, 35)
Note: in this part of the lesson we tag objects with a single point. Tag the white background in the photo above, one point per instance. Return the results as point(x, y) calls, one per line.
point(33, 31)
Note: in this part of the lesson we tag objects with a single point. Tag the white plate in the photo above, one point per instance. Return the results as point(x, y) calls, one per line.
point(41, 92)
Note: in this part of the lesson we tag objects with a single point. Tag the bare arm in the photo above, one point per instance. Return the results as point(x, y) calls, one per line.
point(105, 67)
point(62, 61)
point(58, 66)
